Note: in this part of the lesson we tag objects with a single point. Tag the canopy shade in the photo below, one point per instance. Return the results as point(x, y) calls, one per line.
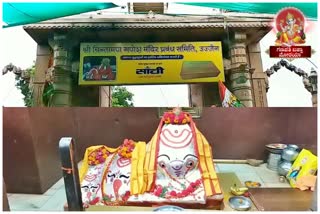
point(308, 9)
point(15, 14)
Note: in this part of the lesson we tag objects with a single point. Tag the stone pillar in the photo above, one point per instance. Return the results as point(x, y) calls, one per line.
point(259, 78)
point(196, 95)
point(314, 100)
point(311, 84)
point(240, 74)
point(62, 82)
point(105, 96)
point(39, 79)
point(314, 83)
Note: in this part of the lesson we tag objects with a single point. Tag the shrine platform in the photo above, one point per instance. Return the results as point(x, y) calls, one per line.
point(55, 198)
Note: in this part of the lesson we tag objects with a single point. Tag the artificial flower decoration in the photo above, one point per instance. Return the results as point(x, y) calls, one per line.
point(126, 148)
point(163, 192)
point(176, 116)
point(98, 156)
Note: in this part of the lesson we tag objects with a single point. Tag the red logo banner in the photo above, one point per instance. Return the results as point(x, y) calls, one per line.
point(290, 52)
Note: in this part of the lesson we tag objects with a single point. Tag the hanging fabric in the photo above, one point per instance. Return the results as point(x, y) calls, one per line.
point(308, 9)
point(227, 98)
point(15, 14)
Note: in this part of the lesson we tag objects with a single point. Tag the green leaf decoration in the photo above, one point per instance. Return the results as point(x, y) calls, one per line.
point(47, 94)
point(106, 198)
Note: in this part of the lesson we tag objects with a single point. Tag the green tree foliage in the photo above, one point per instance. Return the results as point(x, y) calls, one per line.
point(47, 94)
point(23, 85)
point(121, 97)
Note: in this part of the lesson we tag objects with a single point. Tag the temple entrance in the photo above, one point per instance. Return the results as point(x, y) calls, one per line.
point(243, 72)
point(58, 58)
point(309, 80)
point(294, 94)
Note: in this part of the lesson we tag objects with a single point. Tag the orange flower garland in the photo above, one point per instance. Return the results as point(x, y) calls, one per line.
point(98, 156)
point(126, 149)
point(176, 116)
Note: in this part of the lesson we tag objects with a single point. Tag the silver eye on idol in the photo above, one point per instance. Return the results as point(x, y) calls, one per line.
point(163, 159)
point(191, 161)
point(190, 164)
point(162, 164)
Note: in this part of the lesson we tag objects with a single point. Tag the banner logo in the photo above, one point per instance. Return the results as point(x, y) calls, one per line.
point(151, 63)
point(290, 24)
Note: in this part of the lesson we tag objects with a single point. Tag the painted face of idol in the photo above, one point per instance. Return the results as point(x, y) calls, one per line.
point(176, 157)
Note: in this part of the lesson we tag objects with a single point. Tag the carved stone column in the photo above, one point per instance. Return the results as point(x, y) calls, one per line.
point(313, 78)
point(311, 84)
point(314, 100)
point(259, 78)
point(240, 74)
point(196, 95)
point(105, 96)
point(39, 79)
point(62, 82)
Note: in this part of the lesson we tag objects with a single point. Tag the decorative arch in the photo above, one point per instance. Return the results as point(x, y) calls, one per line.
point(292, 68)
point(12, 68)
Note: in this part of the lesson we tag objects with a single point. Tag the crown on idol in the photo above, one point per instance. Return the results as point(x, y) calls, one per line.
point(290, 16)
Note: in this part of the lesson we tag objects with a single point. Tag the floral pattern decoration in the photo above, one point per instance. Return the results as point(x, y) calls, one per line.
point(98, 156)
point(163, 192)
point(176, 116)
point(126, 149)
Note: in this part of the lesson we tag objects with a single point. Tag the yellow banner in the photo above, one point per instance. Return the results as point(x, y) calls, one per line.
point(150, 63)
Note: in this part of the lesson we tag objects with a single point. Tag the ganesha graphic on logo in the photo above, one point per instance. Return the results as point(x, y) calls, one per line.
point(290, 26)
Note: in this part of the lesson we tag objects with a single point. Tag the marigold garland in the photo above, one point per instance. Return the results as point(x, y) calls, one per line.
point(176, 116)
point(98, 156)
point(126, 149)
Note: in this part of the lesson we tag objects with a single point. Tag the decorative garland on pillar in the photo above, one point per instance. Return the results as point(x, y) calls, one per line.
point(24, 81)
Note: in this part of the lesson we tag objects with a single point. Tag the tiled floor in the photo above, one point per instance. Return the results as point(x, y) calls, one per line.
point(245, 172)
point(55, 197)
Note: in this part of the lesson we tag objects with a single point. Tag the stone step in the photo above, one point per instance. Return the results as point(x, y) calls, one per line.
point(195, 112)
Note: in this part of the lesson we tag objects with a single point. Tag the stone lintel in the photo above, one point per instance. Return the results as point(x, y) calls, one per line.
point(240, 37)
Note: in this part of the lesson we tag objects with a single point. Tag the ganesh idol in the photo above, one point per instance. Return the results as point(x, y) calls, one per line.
point(105, 174)
point(292, 31)
point(175, 167)
point(179, 167)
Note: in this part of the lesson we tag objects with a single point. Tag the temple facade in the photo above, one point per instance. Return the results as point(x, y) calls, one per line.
point(59, 42)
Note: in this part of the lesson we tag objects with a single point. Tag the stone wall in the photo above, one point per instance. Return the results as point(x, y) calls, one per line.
point(31, 135)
